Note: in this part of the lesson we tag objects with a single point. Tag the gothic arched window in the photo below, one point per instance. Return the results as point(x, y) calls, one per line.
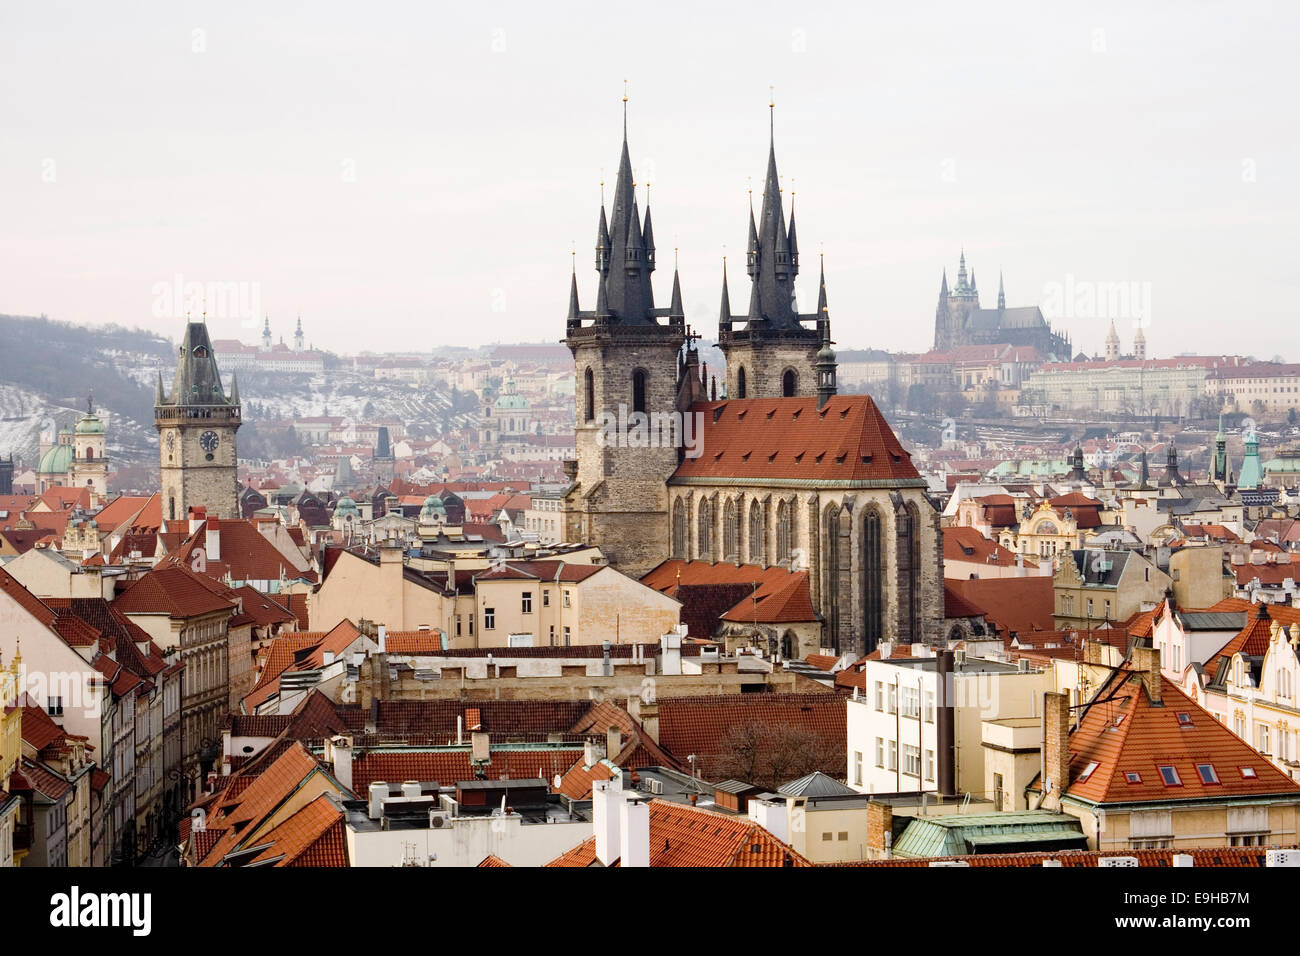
point(789, 383)
point(873, 580)
point(740, 382)
point(706, 531)
point(638, 390)
point(589, 394)
point(756, 533)
point(783, 532)
point(679, 529)
point(730, 532)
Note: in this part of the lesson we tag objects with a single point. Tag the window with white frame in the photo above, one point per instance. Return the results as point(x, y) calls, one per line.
point(880, 696)
point(893, 755)
point(857, 768)
point(880, 752)
point(891, 694)
point(911, 760)
point(489, 618)
point(911, 702)
point(929, 765)
point(929, 706)
point(1263, 739)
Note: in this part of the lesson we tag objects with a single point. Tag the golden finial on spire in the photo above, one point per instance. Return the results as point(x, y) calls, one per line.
point(625, 91)
point(771, 98)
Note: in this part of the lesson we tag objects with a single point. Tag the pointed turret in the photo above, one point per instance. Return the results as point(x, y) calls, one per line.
point(602, 243)
point(1144, 475)
point(675, 307)
point(1002, 295)
point(602, 299)
point(648, 237)
point(823, 313)
point(961, 273)
point(234, 388)
point(161, 399)
point(573, 294)
point(825, 364)
point(752, 252)
point(724, 314)
point(793, 242)
point(197, 380)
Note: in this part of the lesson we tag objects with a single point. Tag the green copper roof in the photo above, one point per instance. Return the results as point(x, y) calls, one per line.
point(56, 461)
point(958, 834)
point(1251, 474)
point(89, 424)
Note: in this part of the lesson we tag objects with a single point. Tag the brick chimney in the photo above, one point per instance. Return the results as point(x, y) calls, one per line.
point(1056, 744)
point(880, 830)
point(647, 714)
point(1146, 661)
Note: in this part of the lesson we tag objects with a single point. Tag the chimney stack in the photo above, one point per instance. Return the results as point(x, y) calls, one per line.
point(1147, 661)
point(605, 798)
point(634, 831)
point(613, 742)
point(1056, 744)
point(341, 756)
point(946, 729)
point(212, 539)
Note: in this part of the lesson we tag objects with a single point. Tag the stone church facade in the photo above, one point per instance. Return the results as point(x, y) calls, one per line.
point(790, 475)
point(959, 320)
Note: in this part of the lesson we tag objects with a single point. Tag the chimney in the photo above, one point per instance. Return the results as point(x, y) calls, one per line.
point(648, 714)
point(634, 831)
point(885, 648)
point(378, 793)
point(1056, 743)
point(605, 797)
point(1092, 652)
point(1147, 660)
point(946, 729)
point(607, 666)
point(880, 829)
point(613, 742)
point(381, 638)
point(341, 755)
point(212, 544)
point(592, 753)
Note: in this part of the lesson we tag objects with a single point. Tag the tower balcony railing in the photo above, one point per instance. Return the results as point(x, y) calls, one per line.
point(226, 413)
point(589, 326)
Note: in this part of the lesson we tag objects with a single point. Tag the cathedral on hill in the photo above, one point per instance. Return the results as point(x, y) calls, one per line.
point(959, 320)
point(781, 473)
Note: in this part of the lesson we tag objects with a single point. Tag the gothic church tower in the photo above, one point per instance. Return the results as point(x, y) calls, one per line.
point(774, 352)
point(627, 356)
point(196, 425)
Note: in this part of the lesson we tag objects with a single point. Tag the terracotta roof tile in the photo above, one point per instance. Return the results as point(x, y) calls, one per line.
point(684, 836)
point(846, 440)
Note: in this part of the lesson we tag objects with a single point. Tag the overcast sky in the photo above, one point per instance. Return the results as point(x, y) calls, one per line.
point(411, 175)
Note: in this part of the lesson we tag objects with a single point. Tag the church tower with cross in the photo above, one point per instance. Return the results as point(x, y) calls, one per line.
point(196, 422)
point(629, 368)
point(772, 349)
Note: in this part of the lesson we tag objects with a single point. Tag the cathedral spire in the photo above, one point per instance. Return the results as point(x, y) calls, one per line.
point(1002, 295)
point(824, 367)
point(648, 235)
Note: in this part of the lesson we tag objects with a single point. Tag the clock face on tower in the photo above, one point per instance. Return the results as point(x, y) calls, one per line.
point(208, 441)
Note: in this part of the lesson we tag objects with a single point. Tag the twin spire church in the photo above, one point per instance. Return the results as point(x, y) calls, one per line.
point(782, 471)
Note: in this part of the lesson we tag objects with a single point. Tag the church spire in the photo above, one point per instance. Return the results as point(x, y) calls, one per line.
point(675, 307)
point(648, 235)
point(824, 367)
point(573, 289)
point(724, 315)
point(1002, 295)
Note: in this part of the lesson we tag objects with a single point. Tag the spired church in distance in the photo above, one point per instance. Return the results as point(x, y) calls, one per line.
point(196, 423)
point(959, 320)
point(784, 472)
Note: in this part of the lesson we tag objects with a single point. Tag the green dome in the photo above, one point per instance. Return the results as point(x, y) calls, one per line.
point(90, 424)
point(56, 461)
point(510, 398)
point(346, 506)
point(433, 506)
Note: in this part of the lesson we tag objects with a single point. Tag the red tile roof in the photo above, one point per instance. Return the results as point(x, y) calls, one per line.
point(176, 591)
point(770, 595)
point(314, 836)
point(699, 725)
point(967, 544)
point(493, 860)
point(846, 440)
point(1013, 604)
point(686, 836)
point(1123, 732)
point(453, 765)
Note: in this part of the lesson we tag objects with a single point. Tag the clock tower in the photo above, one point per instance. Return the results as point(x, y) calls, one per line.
point(196, 424)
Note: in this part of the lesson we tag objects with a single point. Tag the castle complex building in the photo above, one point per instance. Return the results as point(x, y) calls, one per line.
point(789, 475)
point(959, 320)
point(196, 423)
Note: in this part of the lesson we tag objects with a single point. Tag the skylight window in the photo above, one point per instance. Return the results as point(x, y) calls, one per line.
point(1133, 777)
point(1087, 771)
point(1249, 773)
point(1184, 719)
point(1206, 770)
point(1169, 774)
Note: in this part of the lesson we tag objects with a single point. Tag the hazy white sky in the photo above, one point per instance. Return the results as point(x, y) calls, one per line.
point(409, 175)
